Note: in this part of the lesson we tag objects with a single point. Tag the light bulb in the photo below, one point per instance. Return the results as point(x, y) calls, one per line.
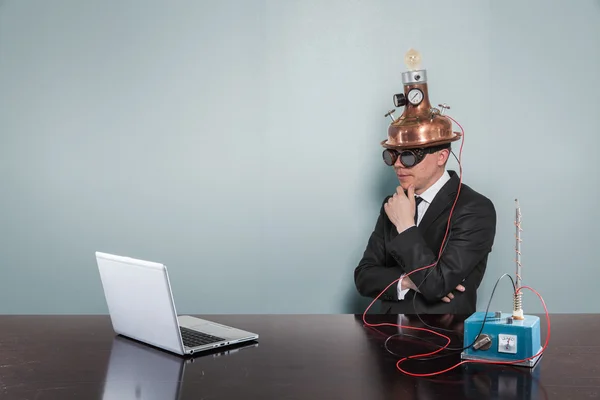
point(412, 59)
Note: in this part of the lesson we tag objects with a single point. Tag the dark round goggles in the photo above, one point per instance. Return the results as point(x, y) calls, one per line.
point(410, 157)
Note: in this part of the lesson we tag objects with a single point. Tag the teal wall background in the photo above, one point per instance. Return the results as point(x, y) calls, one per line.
point(238, 142)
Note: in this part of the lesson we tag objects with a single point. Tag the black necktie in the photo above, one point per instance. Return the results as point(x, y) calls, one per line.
point(418, 200)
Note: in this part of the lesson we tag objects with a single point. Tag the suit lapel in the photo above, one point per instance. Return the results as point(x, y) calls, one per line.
point(441, 201)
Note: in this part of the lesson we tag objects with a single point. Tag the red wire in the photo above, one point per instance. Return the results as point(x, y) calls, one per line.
point(437, 333)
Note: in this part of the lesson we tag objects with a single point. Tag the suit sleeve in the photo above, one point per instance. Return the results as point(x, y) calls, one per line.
point(469, 240)
point(372, 276)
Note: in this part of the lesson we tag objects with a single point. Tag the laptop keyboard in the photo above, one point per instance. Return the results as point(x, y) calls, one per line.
point(192, 338)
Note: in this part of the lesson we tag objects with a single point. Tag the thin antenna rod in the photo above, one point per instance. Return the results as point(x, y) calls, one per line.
point(518, 241)
point(518, 300)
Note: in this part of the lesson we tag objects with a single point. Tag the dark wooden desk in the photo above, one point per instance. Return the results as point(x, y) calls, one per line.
point(297, 357)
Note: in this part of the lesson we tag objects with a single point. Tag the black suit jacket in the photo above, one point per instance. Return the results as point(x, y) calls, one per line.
point(468, 244)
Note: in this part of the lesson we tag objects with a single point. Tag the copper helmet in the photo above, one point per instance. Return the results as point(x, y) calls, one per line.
point(420, 125)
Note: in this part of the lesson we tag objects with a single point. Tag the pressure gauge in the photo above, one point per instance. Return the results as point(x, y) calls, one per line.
point(415, 96)
point(399, 100)
point(507, 344)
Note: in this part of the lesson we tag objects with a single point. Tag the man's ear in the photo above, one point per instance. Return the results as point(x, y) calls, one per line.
point(443, 157)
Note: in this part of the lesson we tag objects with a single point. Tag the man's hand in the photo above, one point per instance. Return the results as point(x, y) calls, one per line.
point(447, 298)
point(400, 209)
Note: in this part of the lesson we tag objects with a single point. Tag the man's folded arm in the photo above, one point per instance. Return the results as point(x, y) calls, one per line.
point(469, 240)
point(371, 276)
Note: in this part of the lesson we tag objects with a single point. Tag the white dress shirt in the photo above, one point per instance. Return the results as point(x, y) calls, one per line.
point(427, 197)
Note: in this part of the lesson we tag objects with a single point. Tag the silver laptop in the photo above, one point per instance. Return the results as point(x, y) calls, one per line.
point(140, 303)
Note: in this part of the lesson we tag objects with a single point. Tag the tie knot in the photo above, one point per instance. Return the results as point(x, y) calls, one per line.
point(418, 200)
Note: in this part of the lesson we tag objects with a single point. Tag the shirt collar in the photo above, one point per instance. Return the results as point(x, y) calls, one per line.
point(430, 193)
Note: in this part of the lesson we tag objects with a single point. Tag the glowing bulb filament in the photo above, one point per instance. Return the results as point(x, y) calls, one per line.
point(412, 59)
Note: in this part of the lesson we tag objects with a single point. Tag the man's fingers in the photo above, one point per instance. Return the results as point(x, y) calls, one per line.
point(447, 298)
point(450, 296)
point(411, 192)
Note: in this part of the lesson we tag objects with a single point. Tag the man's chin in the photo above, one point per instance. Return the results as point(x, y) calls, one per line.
point(404, 182)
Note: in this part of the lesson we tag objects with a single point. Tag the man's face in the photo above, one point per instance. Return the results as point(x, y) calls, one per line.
point(423, 174)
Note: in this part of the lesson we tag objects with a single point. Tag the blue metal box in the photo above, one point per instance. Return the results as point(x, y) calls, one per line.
point(503, 338)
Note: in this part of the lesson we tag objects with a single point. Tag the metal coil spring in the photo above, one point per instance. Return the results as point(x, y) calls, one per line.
point(518, 301)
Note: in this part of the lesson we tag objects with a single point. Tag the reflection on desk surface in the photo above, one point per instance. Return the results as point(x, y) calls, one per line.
point(138, 371)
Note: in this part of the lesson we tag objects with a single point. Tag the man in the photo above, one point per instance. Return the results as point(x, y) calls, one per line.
point(403, 242)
